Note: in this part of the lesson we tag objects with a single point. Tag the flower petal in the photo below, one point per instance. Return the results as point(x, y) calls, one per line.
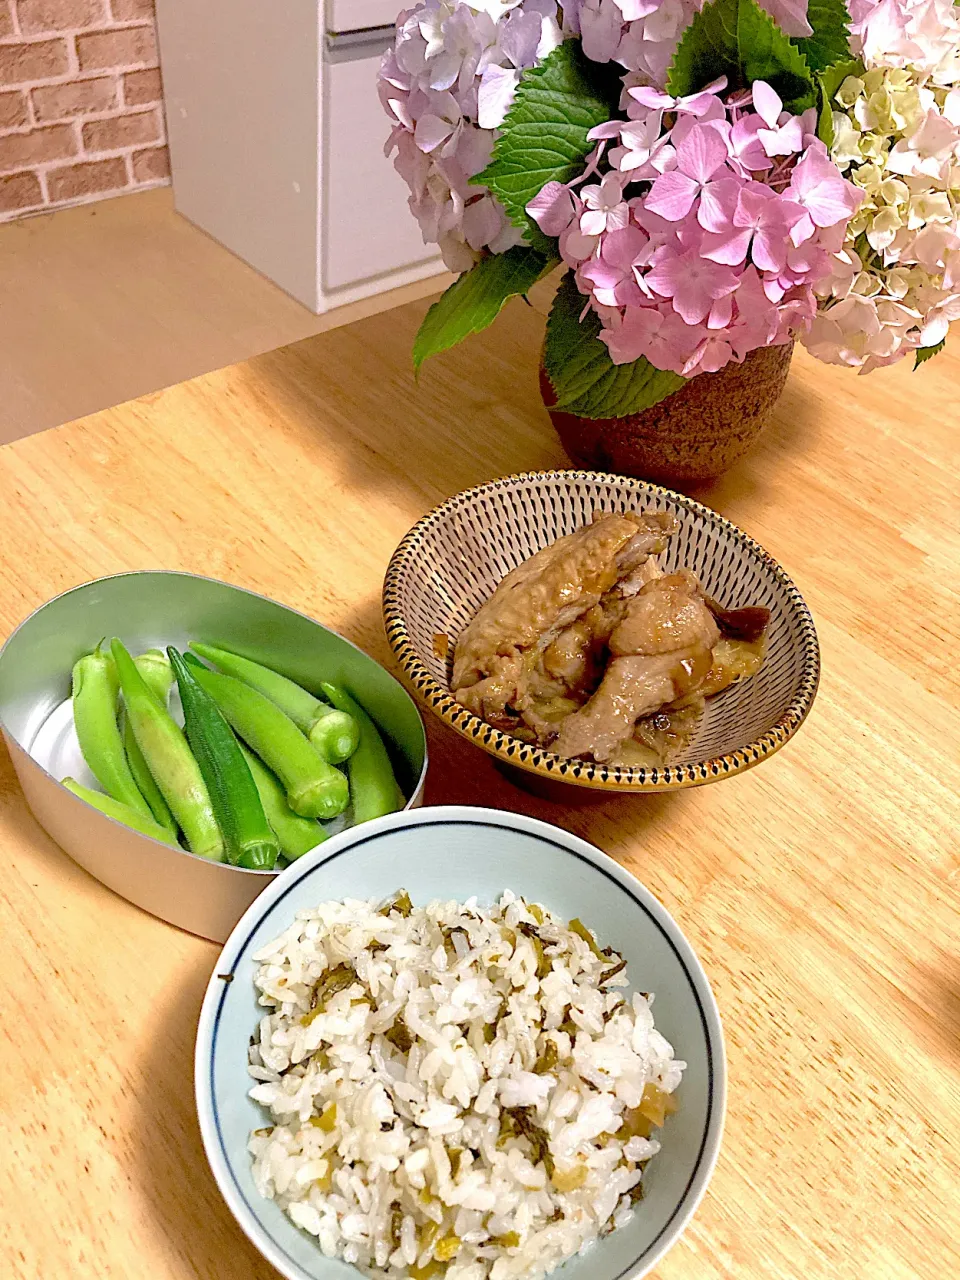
point(701, 153)
point(768, 103)
point(593, 222)
point(718, 203)
point(672, 196)
point(727, 247)
point(721, 312)
point(495, 96)
point(552, 209)
point(769, 250)
point(431, 132)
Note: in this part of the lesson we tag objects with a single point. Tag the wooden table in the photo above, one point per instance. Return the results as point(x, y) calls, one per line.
point(820, 890)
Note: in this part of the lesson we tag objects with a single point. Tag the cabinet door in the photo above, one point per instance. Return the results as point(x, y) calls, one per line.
point(368, 230)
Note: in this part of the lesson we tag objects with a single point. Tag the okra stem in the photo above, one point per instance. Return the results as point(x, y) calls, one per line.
point(169, 759)
point(95, 719)
point(249, 840)
point(121, 812)
point(335, 734)
point(314, 788)
point(297, 835)
point(373, 786)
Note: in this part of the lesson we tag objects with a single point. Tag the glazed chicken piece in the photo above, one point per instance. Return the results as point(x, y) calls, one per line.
point(529, 657)
point(661, 651)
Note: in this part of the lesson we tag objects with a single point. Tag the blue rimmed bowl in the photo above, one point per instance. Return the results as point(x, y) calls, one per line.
point(456, 852)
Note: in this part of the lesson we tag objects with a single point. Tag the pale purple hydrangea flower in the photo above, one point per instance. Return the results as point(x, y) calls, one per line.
point(447, 85)
point(711, 245)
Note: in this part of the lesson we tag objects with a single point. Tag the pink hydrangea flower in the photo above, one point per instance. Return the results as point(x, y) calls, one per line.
point(699, 157)
point(697, 246)
point(823, 193)
point(606, 209)
point(642, 35)
point(611, 274)
point(692, 282)
point(783, 135)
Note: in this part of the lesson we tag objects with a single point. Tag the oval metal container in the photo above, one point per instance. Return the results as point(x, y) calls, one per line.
point(152, 609)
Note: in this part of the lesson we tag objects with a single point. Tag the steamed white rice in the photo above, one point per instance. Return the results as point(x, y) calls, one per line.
point(439, 1109)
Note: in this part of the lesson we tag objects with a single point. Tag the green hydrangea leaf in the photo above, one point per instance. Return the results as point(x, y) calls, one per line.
point(544, 137)
point(830, 42)
point(739, 40)
point(709, 49)
point(927, 353)
point(474, 301)
point(584, 378)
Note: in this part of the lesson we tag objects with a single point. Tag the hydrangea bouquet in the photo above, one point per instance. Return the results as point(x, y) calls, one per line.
point(716, 178)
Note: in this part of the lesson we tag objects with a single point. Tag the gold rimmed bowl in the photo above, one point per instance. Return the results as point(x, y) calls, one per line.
point(453, 559)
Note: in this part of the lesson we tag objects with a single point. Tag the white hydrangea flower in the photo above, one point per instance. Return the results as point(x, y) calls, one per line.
point(923, 35)
point(895, 283)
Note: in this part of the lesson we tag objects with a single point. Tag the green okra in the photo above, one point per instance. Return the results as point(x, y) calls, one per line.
point(169, 760)
point(373, 786)
point(95, 719)
point(121, 812)
point(314, 788)
point(247, 835)
point(334, 733)
point(297, 835)
point(155, 668)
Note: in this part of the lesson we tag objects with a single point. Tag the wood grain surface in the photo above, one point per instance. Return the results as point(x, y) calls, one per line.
point(820, 890)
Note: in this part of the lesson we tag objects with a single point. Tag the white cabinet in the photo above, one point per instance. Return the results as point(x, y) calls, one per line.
point(276, 142)
point(362, 15)
point(370, 231)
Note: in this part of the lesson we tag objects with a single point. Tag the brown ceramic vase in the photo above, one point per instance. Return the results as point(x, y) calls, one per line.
point(690, 437)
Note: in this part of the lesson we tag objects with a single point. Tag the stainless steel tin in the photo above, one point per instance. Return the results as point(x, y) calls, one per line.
point(151, 609)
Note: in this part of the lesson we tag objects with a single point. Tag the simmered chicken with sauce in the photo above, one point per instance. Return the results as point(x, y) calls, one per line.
point(590, 650)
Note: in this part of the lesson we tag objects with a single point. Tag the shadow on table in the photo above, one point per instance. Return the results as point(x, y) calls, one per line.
point(178, 1189)
point(474, 414)
point(793, 430)
point(487, 389)
point(939, 988)
point(460, 773)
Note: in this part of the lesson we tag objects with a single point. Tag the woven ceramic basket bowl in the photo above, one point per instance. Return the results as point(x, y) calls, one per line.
point(453, 559)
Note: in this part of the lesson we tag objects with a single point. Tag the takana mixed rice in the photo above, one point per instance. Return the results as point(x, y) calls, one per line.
point(454, 1091)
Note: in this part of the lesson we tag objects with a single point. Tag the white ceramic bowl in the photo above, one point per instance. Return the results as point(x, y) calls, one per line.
point(456, 852)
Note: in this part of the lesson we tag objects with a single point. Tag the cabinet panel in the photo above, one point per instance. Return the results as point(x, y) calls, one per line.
point(368, 228)
point(361, 15)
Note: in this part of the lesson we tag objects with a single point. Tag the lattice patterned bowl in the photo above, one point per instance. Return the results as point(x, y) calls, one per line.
point(453, 559)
